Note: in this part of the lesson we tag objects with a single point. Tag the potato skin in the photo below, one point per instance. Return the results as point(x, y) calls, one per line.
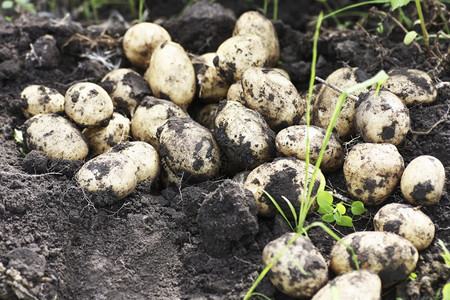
point(243, 135)
point(372, 171)
point(236, 93)
point(387, 254)
point(171, 75)
point(56, 136)
point(140, 41)
point(423, 181)
point(291, 142)
point(286, 276)
point(273, 96)
point(354, 285)
point(406, 221)
point(108, 172)
point(413, 86)
point(40, 99)
point(88, 105)
point(211, 86)
point(382, 119)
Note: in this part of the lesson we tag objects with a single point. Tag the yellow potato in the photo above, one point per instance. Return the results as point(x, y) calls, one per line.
point(211, 86)
point(40, 99)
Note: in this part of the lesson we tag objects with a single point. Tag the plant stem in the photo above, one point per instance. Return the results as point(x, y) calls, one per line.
point(275, 9)
point(426, 39)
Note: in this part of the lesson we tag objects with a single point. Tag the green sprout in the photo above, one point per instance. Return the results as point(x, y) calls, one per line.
point(336, 212)
point(18, 137)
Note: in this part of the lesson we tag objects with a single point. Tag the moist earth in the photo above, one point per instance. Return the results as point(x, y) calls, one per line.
point(55, 243)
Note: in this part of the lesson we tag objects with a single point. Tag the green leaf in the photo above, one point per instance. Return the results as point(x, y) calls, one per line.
point(7, 4)
point(358, 208)
point(337, 216)
point(398, 3)
point(409, 37)
point(324, 198)
point(328, 218)
point(322, 211)
point(18, 136)
point(446, 292)
point(345, 221)
point(341, 208)
point(380, 28)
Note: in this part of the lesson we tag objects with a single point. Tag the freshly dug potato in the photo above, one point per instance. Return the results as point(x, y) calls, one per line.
point(211, 86)
point(252, 22)
point(144, 156)
point(406, 221)
point(382, 119)
point(387, 254)
point(301, 271)
point(126, 88)
point(140, 41)
point(354, 285)
point(56, 136)
point(109, 172)
point(243, 135)
point(327, 99)
point(236, 93)
point(423, 181)
point(282, 177)
point(88, 105)
point(101, 139)
point(206, 115)
point(414, 87)
point(291, 141)
point(189, 150)
point(273, 96)
point(282, 72)
point(239, 53)
point(39, 99)
point(171, 75)
point(149, 115)
point(372, 171)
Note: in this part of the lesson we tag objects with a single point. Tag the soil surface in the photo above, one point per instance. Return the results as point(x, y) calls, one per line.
point(167, 243)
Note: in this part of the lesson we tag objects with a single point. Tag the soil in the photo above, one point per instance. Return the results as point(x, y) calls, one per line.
point(167, 243)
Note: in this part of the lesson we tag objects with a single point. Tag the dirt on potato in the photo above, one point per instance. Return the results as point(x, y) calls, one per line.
point(55, 243)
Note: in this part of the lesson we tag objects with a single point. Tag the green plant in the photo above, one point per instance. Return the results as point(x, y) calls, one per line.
point(275, 8)
point(336, 212)
point(18, 137)
point(19, 6)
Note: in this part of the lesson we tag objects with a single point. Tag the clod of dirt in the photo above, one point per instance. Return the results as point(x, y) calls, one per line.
point(226, 215)
point(44, 53)
point(30, 264)
point(36, 162)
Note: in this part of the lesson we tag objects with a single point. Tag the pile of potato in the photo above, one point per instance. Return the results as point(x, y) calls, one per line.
point(131, 128)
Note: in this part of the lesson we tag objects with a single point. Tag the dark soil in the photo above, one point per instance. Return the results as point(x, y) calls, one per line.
point(165, 244)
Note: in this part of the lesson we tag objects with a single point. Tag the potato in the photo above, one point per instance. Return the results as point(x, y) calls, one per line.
point(101, 139)
point(387, 254)
point(171, 75)
point(253, 22)
point(206, 115)
point(108, 173)
point(354, 285)
point(382, 119)
point(273, 96)
point(39, 99)
point(140, 41)
point(423, 181)
point(291, 141)
point(328, 98)
point(243, 135)
point(301, 271)
point(144, 156)
point(211, 86)
point(88, 105)
point(236, 93)
point(126, 88)
point(406, 221)
point(372, 171)
point(56, 136)
point(239, 53)
point(189, 150)
point(282, 177)
point(149, 115)
point(414, 87)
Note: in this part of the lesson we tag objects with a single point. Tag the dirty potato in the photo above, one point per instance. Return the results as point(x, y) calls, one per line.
point(126, 88)
point(243, 135)
point(387, 254)
point(39, 99)
point(236, 93)
point(382, 119)
point(101, 139)
point(206, 115)
point(56, 136)
point(301, 271)
point(423, 181)
point(211, 86)
point(88, 105)
point(252, 22)
point(406, 221)
point(140, 41)
point(171, 75)
point(291, 141)
point(273, 96)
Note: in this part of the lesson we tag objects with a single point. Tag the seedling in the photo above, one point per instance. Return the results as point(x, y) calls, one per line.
point(18, 137)
point(446, 257)
point(336, 212)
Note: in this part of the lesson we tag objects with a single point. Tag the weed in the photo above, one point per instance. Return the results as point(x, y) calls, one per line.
point(18, 137)
point(336, 212)
point(446, 257)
